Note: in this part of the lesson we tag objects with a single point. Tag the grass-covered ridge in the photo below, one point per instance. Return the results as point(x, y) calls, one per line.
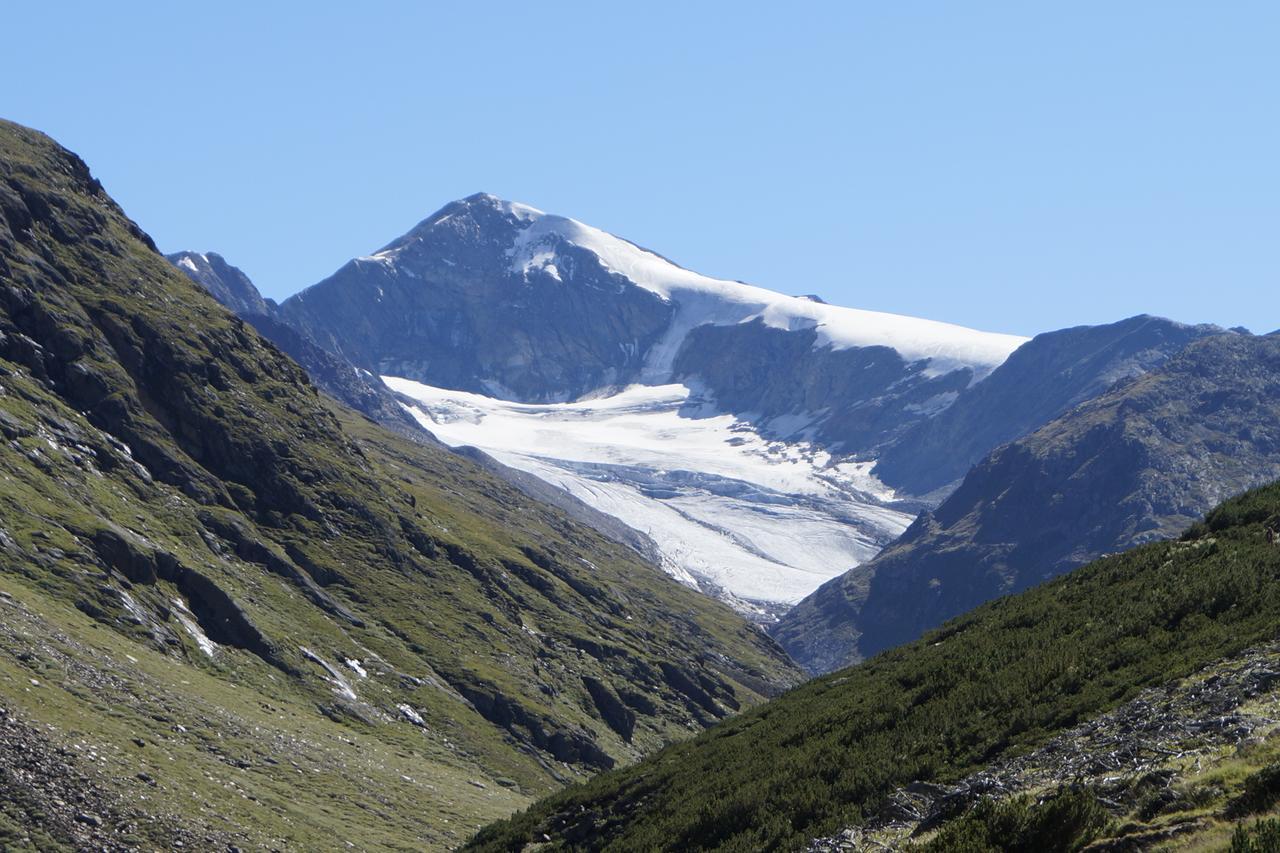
point(185, 520)
point(1001, 678)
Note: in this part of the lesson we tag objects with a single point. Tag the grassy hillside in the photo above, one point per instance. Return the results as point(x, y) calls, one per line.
point(998, 680)
point(304, 627)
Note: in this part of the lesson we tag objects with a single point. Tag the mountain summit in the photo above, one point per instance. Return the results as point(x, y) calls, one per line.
point(500, 298)
point(508, 304)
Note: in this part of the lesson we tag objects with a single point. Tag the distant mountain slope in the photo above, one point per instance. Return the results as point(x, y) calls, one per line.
point(225, 283)
point(1136, 464)
point(995, 683)
point(304, 628)
point(1044, 378)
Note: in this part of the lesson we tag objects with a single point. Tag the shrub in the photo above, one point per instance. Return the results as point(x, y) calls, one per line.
point(1064, 822)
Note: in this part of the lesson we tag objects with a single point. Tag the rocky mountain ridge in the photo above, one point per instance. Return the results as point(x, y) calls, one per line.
point(499, 298)
point(341, 379)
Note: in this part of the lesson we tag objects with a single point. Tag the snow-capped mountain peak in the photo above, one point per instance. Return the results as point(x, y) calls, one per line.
point(701, 300)
point(694, 409)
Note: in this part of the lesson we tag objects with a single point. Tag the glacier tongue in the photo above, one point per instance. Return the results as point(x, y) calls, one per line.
point(758, 522)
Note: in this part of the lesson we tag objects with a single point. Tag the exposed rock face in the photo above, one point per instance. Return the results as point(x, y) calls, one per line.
point(443, 305)
point(225, 283)
point(1044, 378)
point(855, 399)
point(1139, 463)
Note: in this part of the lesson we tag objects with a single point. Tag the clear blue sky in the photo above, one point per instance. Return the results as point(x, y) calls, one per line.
point(1012, 166)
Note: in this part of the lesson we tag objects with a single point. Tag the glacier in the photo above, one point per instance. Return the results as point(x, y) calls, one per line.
point(754, 520)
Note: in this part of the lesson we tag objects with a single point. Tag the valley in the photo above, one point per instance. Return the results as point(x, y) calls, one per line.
point(513, 534)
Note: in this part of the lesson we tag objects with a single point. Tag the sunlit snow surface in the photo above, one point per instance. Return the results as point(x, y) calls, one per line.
point(730, 511)
point(700, 300)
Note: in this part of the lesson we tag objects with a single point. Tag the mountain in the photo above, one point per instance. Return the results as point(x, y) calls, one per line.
point(338, 377)
point(508, 304)
point(225, 283)
point(533, 338)
point(1046, 377)
point(1136, 464)
point(763, 443)
point(237, 614)
point(1087, 676)
point(499, 298)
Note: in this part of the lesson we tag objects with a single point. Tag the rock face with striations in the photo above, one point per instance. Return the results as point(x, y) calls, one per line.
point(1045, 377)
point(443, 304)
point(1138, 463)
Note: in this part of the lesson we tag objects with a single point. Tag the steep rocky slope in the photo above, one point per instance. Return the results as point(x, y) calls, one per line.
point(225, 283)
point(341, 379)
point(1044, 378)
point(1136, 464)
point(304, 627)
point(1003, 681)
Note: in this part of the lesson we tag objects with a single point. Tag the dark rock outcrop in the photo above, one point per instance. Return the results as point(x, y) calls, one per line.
point(564, 744)
point(612, 709)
